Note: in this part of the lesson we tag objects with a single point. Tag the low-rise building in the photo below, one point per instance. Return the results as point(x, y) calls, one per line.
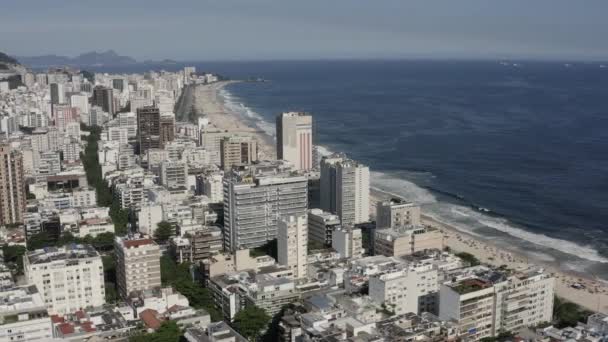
point(24, 316)
point(406, 240)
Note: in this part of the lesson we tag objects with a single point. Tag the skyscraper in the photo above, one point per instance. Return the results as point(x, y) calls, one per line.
point(104, 97)
point(294, 139)
point(292, 244)
point(12, 192)
point(167, 128)
point(57, 93)
point(148, 128)
point(345, 189)
point(236, 150)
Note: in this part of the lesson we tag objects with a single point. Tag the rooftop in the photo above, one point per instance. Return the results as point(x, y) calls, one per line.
point(68, 252)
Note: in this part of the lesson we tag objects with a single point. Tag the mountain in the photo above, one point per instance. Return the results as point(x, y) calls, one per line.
point(107, 58)
point(6, 59)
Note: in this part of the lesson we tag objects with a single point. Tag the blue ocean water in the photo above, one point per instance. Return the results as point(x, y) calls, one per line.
point(516, 153)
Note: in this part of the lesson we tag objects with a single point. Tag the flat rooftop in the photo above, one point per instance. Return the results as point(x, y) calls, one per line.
point(68, 252)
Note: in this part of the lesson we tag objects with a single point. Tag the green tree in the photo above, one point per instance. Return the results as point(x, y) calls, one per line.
point(468, 257)
point(568, 314)
point(14, 255)
point(167, 332)
point(39, 240)
point(104, 242)
point(163, 231)
point(251, 322)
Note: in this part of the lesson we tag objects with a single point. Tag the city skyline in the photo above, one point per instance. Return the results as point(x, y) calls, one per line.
point(266, 30)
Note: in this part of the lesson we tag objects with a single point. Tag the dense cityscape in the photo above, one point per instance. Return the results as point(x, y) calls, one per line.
point(131, 213)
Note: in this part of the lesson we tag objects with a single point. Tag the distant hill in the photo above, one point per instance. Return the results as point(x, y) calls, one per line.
point(6, 59)
point(107, 58)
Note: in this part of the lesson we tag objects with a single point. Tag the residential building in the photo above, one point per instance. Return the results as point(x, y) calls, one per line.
point(137, 264)
point(406, 240)
point(344, 188)
point(148, 129)
point(294, 139)
point(238, 150)
point(104, 97)
point(166, 128)
point(174, 174)
point(205, 243)
point(292, 244)
point(24, 316)
point(397, 213)
point(321, 225)
point(213, 187)
point(12, 193)
point(348, 242)
point(69, 278)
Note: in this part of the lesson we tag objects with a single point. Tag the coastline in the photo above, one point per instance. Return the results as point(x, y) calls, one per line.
point(208, 101)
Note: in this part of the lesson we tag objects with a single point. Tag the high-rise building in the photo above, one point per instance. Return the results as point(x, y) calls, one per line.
point(104, 97)
point(238, 150)
point(397, 213)
point(24, 315)
point(205, 243)
point(80, 101)
point(321, 225)
point(167, 128)
point(292, 244)
point(129, 121)
point(211, 140)
point(213, 187)
point(148, 128)
point(345, 189)
point(57, 93)
point(137, 264)
point(255, 198)
point(119, 84)
point(12, 192)
point(294, 139)
point(69, 278)
point(348, 242)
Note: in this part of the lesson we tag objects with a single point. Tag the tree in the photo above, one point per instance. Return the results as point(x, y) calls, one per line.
point(163, 232)
point(104, 241)
point(468, 257)
point(39, 240)
point(251, 322)
point(167, 332)
point(14, 255)
point(568, 314)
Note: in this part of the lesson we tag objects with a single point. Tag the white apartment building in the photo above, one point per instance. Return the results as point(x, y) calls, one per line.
point(488, 302)
point(348, 242)
point(397, 213)
point(321, 225)
point(69, 278)
point(128, 120)
point(254, 200)
point(406, 240)
point(174, 174)
point(149, 216)
point(119, 134)
point(95, 226)
point(80, 101)
point(292, 244)
point(294, 139)
point(409, 288)
point(24, 316)
point(137, 264)
point(213, 187)
point(345, 189)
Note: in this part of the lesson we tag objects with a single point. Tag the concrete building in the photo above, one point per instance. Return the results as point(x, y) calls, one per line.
point(69, 278)
point(321, 226)
point(57, 93)
point(148, 129)
point(406, 240)
point(12, 193)
point(167, 128)
point(128, 120)
point(238, 150)
point(213, 187)
point(104, 97)
point(174, 174)
point(292, 244)
point(24, 316)
point(95, 226)
point(80, 101)
point(345, 189)
point(206, 243)
point(397, 213)
point(410, 288)
point(490, 301)
point(137, 264)
point(255, 198)
point(149, 216)
point(294, 139)
point(348, 242)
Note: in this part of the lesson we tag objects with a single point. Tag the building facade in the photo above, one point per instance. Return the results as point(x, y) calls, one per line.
point(294, 139)
point(12, 193)
point(292, 244)
point(148, 129)
point(137, 264)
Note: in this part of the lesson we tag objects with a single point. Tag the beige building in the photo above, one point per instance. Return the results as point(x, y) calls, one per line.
point(12, 193)
point(348, 242)
point(137, 264)
point(406, 240)
point(294, 139)
point(292, 244)
point(236, 150)
point(397, 213)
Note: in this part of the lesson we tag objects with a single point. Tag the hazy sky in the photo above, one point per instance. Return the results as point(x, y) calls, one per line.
point(288, 29)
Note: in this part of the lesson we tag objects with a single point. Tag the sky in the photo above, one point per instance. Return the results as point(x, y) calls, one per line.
point(191, 30)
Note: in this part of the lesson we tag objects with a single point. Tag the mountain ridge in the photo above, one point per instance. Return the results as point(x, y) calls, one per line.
point(92, 58)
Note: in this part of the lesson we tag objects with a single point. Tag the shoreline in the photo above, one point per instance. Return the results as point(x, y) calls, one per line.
point(207, 101)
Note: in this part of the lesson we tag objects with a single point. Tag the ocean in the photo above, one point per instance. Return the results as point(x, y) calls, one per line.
point(515, 153)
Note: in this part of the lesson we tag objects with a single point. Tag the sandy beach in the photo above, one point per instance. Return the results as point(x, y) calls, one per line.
point(594, 295)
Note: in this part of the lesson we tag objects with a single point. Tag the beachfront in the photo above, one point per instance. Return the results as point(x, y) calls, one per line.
point(592, 294)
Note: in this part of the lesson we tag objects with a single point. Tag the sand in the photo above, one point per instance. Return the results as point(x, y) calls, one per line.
point(593, 297)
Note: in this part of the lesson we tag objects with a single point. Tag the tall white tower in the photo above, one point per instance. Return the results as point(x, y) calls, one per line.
point(292, 244)
point(294, 139)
